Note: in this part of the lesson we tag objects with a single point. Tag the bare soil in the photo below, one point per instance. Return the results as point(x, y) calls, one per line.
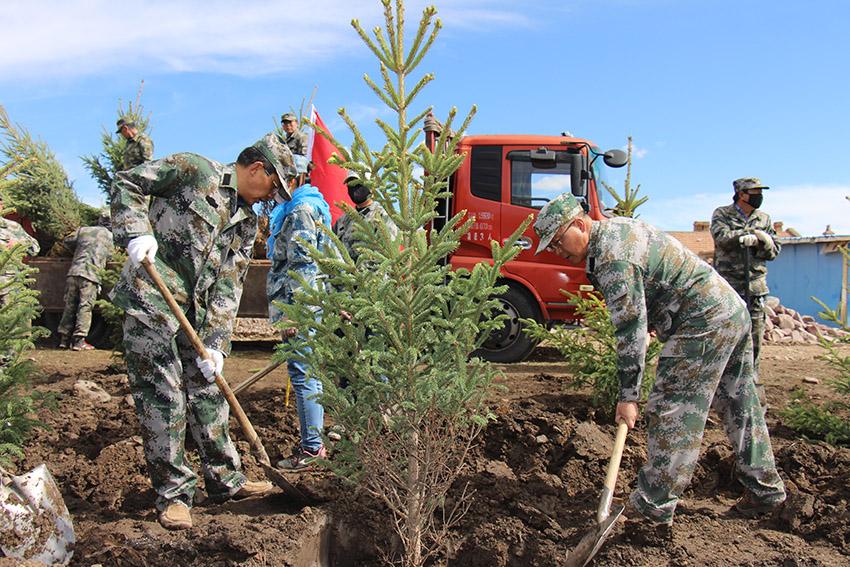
point(536, 474)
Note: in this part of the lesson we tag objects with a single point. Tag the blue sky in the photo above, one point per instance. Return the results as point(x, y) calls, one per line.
point(710, 91)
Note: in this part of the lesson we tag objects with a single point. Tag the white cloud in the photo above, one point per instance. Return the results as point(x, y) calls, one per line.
point(81, 37)
point(806, 208)
point(639, 153)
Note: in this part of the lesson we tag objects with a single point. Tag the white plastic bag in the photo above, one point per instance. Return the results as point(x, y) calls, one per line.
point(34, 522)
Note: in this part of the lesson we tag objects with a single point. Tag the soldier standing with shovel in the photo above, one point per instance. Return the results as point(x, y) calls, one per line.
point(744, 240)
point(192, 218)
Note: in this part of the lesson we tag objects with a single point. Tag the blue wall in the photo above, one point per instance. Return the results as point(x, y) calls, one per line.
point(802, 271)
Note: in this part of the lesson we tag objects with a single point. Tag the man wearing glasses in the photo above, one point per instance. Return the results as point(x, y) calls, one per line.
point(650, 281)
point(744, 240)
point(192, 217)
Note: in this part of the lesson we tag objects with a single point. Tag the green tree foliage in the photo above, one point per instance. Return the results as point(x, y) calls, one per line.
point(18, 402)
point(103, 167)
point(829, 421)
point(628, 203)
point(416, 402)
point(111, 313)
point(39, 189)
point(590, 351)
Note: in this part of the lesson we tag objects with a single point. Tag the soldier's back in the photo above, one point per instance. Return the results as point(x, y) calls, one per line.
point(94, 248)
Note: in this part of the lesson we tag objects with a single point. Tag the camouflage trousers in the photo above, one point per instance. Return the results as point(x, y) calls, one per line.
point(170, 392)
point(757, 316)
point(706, 363)
point(80, 295)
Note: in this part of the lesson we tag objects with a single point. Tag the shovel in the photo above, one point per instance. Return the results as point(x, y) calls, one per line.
point(247, 429)
point(256, 377)
point(605, 518)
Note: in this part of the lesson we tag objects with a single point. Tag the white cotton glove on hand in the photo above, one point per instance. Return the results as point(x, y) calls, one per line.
point(764, 238)
point(748, 240)
point(212, 366)
point(140, 247)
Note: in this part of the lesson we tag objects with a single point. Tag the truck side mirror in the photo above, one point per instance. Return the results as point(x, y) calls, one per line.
point(615, 158)
point(576, 175)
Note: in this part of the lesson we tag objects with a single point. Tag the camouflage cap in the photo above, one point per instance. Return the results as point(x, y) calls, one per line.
point(557, 212)
point(352, 175)
point(279, 155)
point(124, 122)
point(288, 117)
point(745, 183)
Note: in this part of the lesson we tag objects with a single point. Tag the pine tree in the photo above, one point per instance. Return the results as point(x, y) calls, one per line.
point(416, 401)
point(39, 189)
point(104, 166)
point(629, 202)
point(17, 336)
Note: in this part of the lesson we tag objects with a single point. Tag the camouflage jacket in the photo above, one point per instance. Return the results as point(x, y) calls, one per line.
point(138, 150)
point(728, 224)
point(297, 142)
point(345, 226)
point(93, 249)
point(290, 255)
point(12, 233)
point(650, 281)
point(205, 234)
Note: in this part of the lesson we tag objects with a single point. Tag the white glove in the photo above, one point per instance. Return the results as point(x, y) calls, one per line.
point(212, 366)
point(141, 246)
point(764, 238)
point(748, 240)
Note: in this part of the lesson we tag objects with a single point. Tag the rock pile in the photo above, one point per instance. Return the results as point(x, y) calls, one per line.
point(786, 326)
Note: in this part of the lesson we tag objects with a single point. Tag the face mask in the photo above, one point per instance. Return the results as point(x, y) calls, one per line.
point(755, 200)
point(359, 194)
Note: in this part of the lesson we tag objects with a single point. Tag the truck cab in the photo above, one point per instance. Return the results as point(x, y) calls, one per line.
point(503, 180)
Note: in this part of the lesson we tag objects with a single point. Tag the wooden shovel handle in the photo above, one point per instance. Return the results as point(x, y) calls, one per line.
point(604, 507)
point(244, 423)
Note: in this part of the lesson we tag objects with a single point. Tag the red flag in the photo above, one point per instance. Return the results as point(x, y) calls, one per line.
point(329, 179)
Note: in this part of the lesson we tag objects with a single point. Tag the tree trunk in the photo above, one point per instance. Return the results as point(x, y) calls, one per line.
point(413, 552)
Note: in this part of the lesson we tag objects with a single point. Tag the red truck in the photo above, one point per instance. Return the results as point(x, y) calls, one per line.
point(504, 179)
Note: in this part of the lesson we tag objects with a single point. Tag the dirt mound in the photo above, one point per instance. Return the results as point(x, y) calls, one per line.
point(536, 477)
point(539, 471)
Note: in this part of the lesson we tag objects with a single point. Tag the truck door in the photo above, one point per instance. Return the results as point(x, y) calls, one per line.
point(526, 188)
point(482, 173)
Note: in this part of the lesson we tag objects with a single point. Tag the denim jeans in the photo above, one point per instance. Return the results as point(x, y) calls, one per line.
point(311, 414)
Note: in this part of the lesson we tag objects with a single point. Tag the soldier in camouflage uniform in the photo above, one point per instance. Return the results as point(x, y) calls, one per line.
point(139, 148)
point(193, 218)
point(295, 138)
point(93, 247)
point(744, 239)
point(650, 281)
point(371, 211)
point(12, 233)
point(293, 225)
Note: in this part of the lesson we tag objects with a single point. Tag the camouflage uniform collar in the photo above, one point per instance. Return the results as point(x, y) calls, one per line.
point(228, 181)
point(228, 177)
point(741, 211)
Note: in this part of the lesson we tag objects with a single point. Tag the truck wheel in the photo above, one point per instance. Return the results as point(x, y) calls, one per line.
point(510, 343)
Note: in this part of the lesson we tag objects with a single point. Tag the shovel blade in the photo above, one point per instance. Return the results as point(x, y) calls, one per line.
point(592, 541)
point(280, 480)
